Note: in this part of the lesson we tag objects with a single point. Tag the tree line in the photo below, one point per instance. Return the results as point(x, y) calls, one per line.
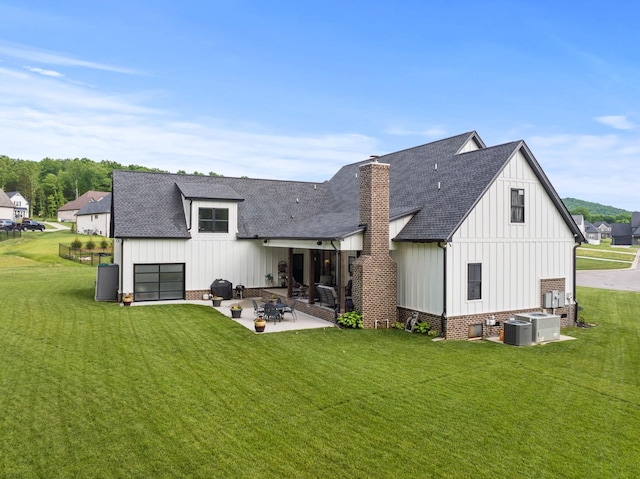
point(50, 183)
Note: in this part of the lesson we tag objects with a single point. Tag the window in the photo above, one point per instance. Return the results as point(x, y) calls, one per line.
point(474, 281)
point(517, 205)
point(213, 220)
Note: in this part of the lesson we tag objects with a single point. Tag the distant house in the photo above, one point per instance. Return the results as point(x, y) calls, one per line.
point(68, 211)
point(6, 207)
point(95, 217)
point(626, 233)
point(591, 233)
point(462, 234)
point(20, 203)
point(604, 228)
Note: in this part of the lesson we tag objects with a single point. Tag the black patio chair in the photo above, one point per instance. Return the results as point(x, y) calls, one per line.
point(271, 313)
point(291, 310)
point(257, 310)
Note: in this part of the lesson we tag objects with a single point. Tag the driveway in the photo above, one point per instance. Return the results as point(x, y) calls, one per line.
point(619, 279)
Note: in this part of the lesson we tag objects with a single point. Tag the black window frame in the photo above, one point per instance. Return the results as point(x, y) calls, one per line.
point(474, 281)
point(517, 206)
point(217, 222)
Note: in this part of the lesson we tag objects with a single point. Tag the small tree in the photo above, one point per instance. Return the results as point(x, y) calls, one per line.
point(90, 244)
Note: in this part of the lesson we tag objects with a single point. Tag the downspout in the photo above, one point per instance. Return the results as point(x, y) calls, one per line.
point(443, 317)
point(121, 268)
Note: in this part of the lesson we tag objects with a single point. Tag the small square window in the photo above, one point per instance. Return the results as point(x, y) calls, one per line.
point(213, 220)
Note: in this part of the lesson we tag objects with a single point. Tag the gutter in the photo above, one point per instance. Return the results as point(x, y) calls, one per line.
point(443, 317)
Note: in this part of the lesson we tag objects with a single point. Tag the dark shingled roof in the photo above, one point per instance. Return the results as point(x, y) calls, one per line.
point(103, 205)
point(149, 204)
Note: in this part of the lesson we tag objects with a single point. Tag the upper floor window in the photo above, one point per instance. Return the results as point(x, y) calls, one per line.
point(517, 205)
point(474, 281)
point(213, 220)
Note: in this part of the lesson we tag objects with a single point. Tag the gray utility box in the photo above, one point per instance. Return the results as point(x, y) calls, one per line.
point(517, 332)
point(545, 327)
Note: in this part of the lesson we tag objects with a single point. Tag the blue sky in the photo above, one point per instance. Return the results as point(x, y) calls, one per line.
point(296, 89)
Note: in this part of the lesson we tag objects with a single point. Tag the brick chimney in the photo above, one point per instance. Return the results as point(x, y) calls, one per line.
point(374, 272)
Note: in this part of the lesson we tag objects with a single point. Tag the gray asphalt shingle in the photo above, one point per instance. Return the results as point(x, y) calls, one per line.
point(148, 205)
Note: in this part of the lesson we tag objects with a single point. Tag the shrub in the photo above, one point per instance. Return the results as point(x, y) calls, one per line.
point(90, 244)
point(104, 244)
point(424, 328)
point(351, 319)
point(399, 325)
point(76, 244)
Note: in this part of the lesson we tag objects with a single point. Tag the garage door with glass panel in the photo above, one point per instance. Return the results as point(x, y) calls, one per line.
point(154, 282)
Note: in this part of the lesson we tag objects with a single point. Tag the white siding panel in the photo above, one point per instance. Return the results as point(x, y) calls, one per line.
point(514, 257)
point(241, 262)
point(420, 270)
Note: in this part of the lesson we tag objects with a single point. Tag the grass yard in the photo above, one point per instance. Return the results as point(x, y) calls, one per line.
point(97, 390)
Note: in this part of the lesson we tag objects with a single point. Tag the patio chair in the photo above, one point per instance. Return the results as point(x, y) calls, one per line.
point(271, 313)
point(257, 310)
point(291, 310)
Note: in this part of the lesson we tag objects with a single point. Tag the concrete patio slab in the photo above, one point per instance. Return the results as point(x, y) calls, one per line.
point(303, 320)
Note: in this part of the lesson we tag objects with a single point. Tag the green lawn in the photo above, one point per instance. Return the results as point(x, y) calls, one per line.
point(97, 390)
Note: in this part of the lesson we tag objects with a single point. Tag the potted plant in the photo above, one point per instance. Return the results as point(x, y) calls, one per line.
point(259, 323)
point(268, 277)
point(217, 300)
point(127, 299)
point(236, 311)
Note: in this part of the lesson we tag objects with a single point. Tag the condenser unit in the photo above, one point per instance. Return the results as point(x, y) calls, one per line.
point(517, 332)
point(545, 327)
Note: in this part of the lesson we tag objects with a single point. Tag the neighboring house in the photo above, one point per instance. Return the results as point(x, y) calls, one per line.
point(95, 217)
point(604, 228)
point(626, 233)
point(463, 234)
point(6, 207)
point(68, 211)
point(591, 233)
point(20, 203)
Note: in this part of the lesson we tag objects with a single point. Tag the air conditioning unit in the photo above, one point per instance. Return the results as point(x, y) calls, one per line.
point(517, 332)
point(545, 327)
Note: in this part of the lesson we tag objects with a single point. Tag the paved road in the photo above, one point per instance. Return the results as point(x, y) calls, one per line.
point(620, 279)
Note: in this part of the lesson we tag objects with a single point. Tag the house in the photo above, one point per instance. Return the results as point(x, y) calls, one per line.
point(463, 234)
point(95, 217)
point(580, 223)
point(604, 228)
point(592, 234)
point(626, 233)
point(21, 205)
point(6, 207)
point(68, 211)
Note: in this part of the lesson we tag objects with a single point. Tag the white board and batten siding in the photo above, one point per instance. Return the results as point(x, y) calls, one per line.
point(207, 256)
point(514, 256)
point(420, 272)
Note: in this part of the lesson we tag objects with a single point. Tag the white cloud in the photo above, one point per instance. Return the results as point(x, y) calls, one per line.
point(50, 58)
point(619, 122)
point(43, 117)
point(50, 73)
